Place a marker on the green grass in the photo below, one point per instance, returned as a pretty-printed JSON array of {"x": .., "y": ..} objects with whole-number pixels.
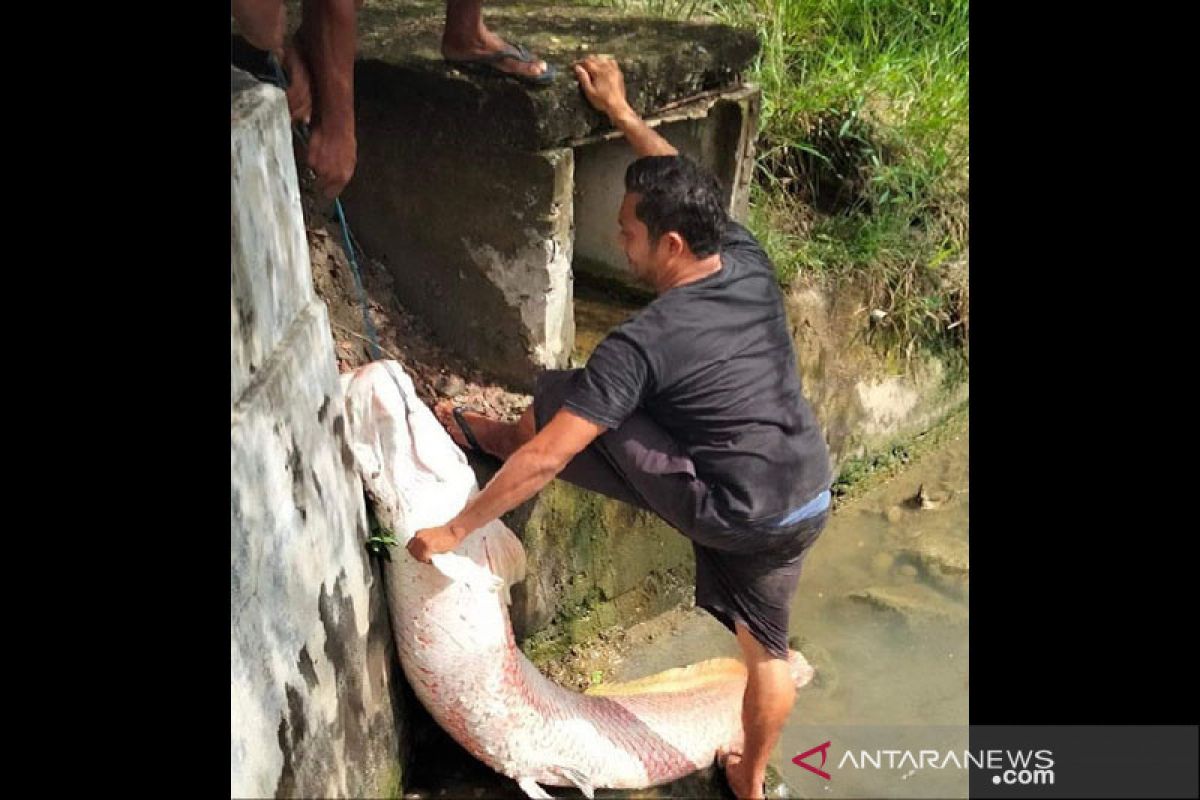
[{"x": 863, "y": 161}]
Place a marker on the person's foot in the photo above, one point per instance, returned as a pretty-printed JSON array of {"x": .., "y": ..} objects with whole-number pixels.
[
  {"x": 745, "y": 786},
  {"x": 491, "y": 434},
  {"x": 484, "y": 43}
]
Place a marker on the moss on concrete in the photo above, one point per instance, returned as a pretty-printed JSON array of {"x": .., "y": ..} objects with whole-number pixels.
[
  {"x": 593, "y": 563},
  {"x": 392, "y": 783}
]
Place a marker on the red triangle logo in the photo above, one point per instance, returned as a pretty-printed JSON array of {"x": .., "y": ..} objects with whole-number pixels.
[{"x": 824, "y": 750}]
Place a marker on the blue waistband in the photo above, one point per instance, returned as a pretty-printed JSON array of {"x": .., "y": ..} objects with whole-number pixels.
[{"x": 809, "y": 509}]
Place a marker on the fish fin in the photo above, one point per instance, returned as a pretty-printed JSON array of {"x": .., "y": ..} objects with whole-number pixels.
[
  {"x": 530, "y": 787},
  {"x": 578, "y": 778},
  {"x": 464, "y": 570},
  {"x": 681, "y": 679},
  {"x": 506, "y": 556}
]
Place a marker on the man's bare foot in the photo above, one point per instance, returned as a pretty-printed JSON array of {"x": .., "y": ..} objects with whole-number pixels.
[
  {"x": 744, "y": 785},
  {"x": 483, "y": 43},
  {"x": 494, "y": 436}
]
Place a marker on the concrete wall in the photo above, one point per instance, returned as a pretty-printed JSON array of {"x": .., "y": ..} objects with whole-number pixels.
[
  {"x": 482, "y": 241},
  {"x": 313, "y": 685},
  {"x": 468, "y": 186},
  {"x": 478, "y": 241}
]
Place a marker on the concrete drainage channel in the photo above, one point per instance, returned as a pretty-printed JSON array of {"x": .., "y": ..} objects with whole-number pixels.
[
  {"x": 483, "y": 197},
  {"x": 485, "y": 201}
]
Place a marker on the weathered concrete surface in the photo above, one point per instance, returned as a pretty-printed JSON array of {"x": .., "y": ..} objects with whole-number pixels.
[
  {"x": 663, "y": 61},
  {"x": 313, "y": 700},
  {"x": 593, "y": 563},
  {"x": 467, "y": 186},
  {"x": 863, "y": 399},
  {"x": 265, "y": 246},
  {"x": 481, "y": 251}
]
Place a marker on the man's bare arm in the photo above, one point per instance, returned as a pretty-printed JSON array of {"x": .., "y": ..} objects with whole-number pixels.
[
  {"x": 525, "y": 472},
  {"x": 327, "y": 34},
  {"x": 604, "y": 87}
]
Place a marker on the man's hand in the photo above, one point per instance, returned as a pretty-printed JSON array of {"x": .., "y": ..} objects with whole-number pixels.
[
  {"x": 527, "y": 470},
  {"x": 332, "y": 155},
  {"x": 603, "y": 85},
  {"x": 299, "y": 91},
  {"x": 428, "y": 542},
  {"x": 327, "y": 38}
]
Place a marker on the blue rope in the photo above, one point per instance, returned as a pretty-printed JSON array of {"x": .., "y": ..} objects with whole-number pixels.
[
  {"x": 376, "y": 353},
  {"x": 281, "y": 80}
]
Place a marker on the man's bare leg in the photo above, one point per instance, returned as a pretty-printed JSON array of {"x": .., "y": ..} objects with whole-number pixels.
[
  {"x": 262, "y": 23},
  {"x": 766, "y": 704},
  {"x": 500, "y": 439}
]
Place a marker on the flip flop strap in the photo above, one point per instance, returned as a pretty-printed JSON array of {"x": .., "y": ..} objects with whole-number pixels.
[
  {"x": 516, "y": 53},
  {"x": 462, "y": 426}
]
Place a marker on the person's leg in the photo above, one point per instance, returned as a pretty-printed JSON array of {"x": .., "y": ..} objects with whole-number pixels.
[
  {"x": 466, "y": 37},
  {"x": 496, "y": 437},
  {"x": 770, "y": 694},
  {"x": 262, "y": 23},
  {"x": 590, "y": 469},
  {"x": 751, "y": 594},
  {"x": 499, "y": 438},
  {"x": 637, "y": 463}
]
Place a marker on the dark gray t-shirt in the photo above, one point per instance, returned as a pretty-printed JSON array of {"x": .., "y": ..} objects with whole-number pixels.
[{"x": 712, "y": 363}]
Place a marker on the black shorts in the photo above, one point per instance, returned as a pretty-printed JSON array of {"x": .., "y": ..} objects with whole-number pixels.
[{"x": 743, "y": 574}]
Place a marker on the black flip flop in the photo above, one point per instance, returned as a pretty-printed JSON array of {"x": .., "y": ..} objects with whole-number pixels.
[
  {"x": 466, "y": 429},
  {"x": 519, "y": 53}
]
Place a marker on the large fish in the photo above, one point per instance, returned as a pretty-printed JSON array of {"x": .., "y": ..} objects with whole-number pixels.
[{"x": 456, "y": 642}]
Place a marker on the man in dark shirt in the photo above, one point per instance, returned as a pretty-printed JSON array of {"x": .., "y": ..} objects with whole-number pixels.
[{"x": 692, "y": 409}]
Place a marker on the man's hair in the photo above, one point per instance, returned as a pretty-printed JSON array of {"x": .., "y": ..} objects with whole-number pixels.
[{"x": 677, "y": 195}]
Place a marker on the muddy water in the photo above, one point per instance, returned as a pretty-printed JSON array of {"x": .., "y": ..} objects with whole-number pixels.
[
  {"x": 598, "y": 309},
  {"x": 881, "y": 612}
]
